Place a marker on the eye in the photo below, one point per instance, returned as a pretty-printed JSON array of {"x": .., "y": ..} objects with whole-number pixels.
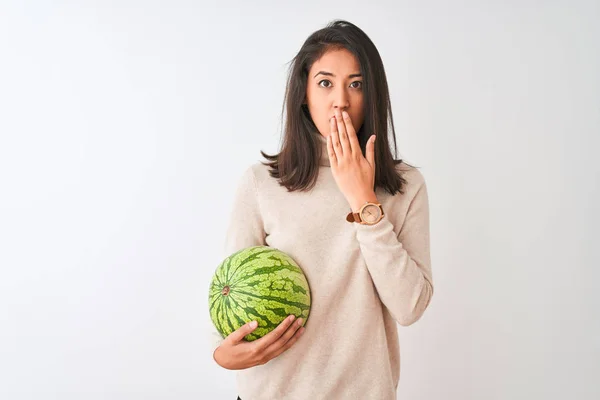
[
  {"x": 359, "y": 86},
  {"x": 324, "y": 80}
]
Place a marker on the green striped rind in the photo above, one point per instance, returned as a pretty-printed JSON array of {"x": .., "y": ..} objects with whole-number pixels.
[{"x": 265, "y": 284}]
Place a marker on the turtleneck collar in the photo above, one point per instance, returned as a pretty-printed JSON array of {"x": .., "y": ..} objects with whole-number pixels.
[{"x": 324, "y": 159}]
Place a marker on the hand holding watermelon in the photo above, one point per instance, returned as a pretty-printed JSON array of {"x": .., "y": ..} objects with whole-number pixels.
[
  {"x": 262, "y": 286},
  {"x": 237, "y": 353}
]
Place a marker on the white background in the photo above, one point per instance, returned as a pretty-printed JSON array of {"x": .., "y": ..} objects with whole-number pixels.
[{"x": 125, "y": 126}]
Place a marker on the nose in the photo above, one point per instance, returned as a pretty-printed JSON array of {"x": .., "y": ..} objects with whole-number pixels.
[{"x": 341, "y": 99}]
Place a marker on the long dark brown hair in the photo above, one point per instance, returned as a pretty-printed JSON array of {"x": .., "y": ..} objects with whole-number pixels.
[{"x": 297, "y": 165}]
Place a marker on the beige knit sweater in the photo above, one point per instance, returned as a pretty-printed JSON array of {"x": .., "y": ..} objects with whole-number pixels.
[{"x": 363, "y": 280}]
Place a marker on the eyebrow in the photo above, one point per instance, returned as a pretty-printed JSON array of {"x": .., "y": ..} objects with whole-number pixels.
[{"x": 330, "y": 74}]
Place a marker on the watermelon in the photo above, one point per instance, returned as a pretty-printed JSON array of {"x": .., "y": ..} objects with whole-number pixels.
[{"x": 257, "y": 283}]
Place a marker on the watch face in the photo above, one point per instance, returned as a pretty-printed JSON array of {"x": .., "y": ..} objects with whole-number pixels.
[{"x": 371, "y": 213}]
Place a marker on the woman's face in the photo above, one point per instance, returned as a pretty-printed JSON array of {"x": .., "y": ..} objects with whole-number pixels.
[{"x": 334, "y": 82}]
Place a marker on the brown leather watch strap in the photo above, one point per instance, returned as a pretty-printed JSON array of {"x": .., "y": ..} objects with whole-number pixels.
[{"x": 353, "y": 217}]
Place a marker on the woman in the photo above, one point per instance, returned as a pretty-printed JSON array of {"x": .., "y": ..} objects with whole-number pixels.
[{"x": 356, "y": 221}]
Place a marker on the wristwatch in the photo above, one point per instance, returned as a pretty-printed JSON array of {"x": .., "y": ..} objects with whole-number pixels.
[{"x": 369, "y": 214}]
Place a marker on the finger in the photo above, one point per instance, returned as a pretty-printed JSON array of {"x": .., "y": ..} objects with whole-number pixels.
[
  {"x": 331, "y": 151},
  {"x": 341, "y": 127},
  {"x": 370, "y": 150},
  {"x": 275, "y": 334},
  {"x": 239, "y": 334},
  {"x": 335, "y": 138},
  {"x": 273, "y": 348},
  {"x": 352, "y": 138},
  {"x": 289, "y": 343}
]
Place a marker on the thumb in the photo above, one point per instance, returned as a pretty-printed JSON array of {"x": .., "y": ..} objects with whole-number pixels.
[
  {"x": 239, "y": 334},
  {"x": 370, "y": 150}
]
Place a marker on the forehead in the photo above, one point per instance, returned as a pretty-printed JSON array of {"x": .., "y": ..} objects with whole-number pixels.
[{"x": 339, "y": 62}]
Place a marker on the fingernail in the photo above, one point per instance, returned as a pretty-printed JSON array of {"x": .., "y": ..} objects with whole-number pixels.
[
  {"x": 292, "y": 317},
  {"x": 300, "y": 321},
  {"x": 253, "y": 324},
  {"x": 345, "y": 114}
]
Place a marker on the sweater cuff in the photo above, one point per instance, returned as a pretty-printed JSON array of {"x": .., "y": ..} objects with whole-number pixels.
[{"x": 374, "y": 232}]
